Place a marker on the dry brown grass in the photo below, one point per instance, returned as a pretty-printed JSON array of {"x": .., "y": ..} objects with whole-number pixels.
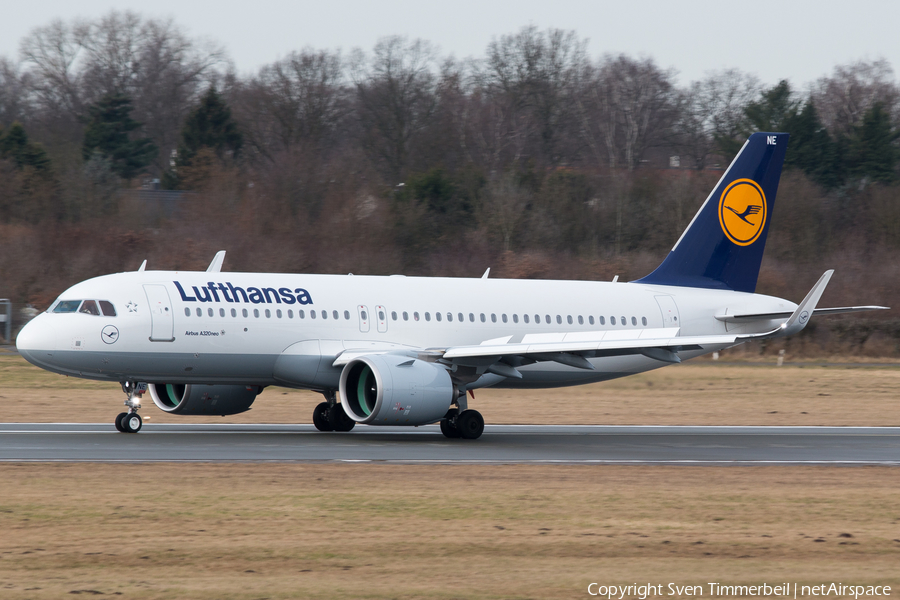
[
  {"x": 699, "y": 393},
  {"x": 382, "y": 531}
]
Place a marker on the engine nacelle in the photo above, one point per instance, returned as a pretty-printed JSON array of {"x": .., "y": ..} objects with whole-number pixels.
[
  {"x": 385, "y": 389},
  {"x": 198, "y": 399}
]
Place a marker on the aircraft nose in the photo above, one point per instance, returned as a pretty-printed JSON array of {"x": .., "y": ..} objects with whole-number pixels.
[{"x": 36, "y": 337}]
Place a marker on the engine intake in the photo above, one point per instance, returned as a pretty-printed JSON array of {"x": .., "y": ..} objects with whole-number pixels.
[
  {"x": 198, "y": 399},
  {"x": 386, "y": 389}
]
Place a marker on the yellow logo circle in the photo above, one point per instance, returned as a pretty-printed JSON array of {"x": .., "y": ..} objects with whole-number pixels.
[{"x": 743, "y": 211}]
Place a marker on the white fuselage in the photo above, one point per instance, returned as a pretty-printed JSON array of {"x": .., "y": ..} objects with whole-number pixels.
[{"x": 236, "y": 330}]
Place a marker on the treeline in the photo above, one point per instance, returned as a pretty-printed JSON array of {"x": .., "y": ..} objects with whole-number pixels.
[{"x": 536, "y": 158}]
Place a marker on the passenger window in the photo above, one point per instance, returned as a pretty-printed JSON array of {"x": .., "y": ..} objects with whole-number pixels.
[
  {"x": 256, "y": 312},
  {"x": 244, "y": 312},
  {"x": 515, "y": 318},
  {"x": 591, "y": 319},
  {"x": 199, "y": 312},
  {"x": 290, "y": 314},
  {"x": 324, "y": 314},
  {"x": 300, "y": 313},
  {"x": 525, "y": 317},
  {"x": 537, "y": 319},
  {"x": 483, "y": 318},
  {"x": 449, "y": 317},
  {"x": 67, "y": 306},
  {"x": 471, "y": 317},
  {"x": 393, "y": 315},
  {"x": 268, "y": 314},
  {"x": 405, "y": 316},
  {"x": 624, "y": 322},
  {"x": 461, "y": 318},
  {"x": 234, "y": 312},
  {"x": 569, "y": 319},
  {"x": 503, "y": 316},
  {"x": 107, "y": 308},
  {"x": 580, "y": 320},
  {"x": 493, "y": 318},
  {"x": 644, "y": 321},
  {"x": 612, "y": 320},
  {"x": 416, "y": 316},
  {"x": 428, "y": 316},
  {"x": 221, "y": 312},
  {"x": 187, "y": 312},
  {"x": 278, "y": 313},
  {"x": 362, "y": 314},
  {"x": 209, "y": 311},
  {"x": 346, "y": 315},
  {"x": 436, "y": 316},
  {"x": 558, "y": 320},
  {"x": 633, "y": 320},
  {"x": 89, "y": 307},
  {"x": 603, "y": 321},
  {"x": 335, "y": 315}
]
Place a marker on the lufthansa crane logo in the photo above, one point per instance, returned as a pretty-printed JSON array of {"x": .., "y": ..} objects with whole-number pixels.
[{"x": 743, "y": 211}]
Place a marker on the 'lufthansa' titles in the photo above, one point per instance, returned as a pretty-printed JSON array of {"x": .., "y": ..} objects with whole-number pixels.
[{"x": 219, "y": 292}]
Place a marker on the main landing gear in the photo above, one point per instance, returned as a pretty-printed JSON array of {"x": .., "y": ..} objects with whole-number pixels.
[
  {"x": 130, "y": 422},
  {"x": 330, "y": 416},
  {"x": 468, "y": 424}
]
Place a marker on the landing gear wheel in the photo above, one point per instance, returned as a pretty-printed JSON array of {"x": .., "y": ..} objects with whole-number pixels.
[
  {"x": 132, "y": 423},
  {"x": 320, "y": 417},
  {"x": 339, "y": 419},
  {"x": 448, "y": 424},
  {"x": 119, "y": 418},
  {"x": 470, "y": 424}
]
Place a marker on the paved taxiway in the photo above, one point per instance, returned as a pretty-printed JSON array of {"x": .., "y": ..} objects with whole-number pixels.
[{"x": 499, "y": 444}]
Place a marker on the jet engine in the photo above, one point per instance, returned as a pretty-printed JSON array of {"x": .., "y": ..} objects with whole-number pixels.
[
  {"x": 388, "y": 389},
  {"x": 198, "y": 399}
]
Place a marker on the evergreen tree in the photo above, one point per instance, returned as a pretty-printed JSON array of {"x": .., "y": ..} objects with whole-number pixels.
[
  {"x": 209, "y": 126},
  {"x": 772, "y": 112},
  {"x": 14, "y": 145},
  {"x": 873, "y": 152},
  {"x": 108, "y": 135},
  {"x": 811, "y": 148}
]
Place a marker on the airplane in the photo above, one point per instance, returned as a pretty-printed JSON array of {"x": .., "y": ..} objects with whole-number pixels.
[{"x": 396, "y": 350}]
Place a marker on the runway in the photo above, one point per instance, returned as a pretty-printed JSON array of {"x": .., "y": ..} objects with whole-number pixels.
[{"x": 589, "y": 444}]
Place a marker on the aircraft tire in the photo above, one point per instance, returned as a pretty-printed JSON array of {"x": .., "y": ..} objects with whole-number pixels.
[
  {"x": 132, "y": 423},
  {"x": 470, "y": 424},
  {"x": 320, "y": 417},
  {"x": 338, "y": 418},
  {"x": 448, "y": 425},
  {"x": 119, "y": 418}
]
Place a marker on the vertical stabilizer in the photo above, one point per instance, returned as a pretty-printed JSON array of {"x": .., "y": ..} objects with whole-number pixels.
[{"x": 722, "y": 248}]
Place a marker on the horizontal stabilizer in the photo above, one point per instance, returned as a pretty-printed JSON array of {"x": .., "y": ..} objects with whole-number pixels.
[{"x": 819, "y": 312}]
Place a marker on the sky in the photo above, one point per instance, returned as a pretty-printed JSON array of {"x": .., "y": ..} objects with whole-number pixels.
[{"x": 784, "y": 39}]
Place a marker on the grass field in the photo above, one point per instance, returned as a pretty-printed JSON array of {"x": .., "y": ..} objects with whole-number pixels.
[
  {"x": 379, "y": 531},
  {"x": 249, "y": 531},
  {"x": 698, "y": 393}
]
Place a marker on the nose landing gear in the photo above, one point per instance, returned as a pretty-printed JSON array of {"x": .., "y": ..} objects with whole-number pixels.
[{"x": 131, "y": 422}]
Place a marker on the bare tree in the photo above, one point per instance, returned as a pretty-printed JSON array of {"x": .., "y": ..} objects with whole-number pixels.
[
  {"x": 297, "y": 100},
  {"x": 13, "y": 92},
  {"x": 396, "y": 99},
  {"x": 51, "y": 53},
  {"x": 842, "y": 99},
  {"x": 712, "y": 110},
  {"x": 533, "y": 79}
]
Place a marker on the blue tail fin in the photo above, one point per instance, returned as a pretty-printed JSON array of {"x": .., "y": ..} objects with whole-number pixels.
[{"x": 722, "y": 247}]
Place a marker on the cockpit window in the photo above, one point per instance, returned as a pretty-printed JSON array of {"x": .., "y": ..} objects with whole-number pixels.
[
  {"x": 67, "y": 306},
  {"x": 108, "y": 309},
  {"x": 89, "y": 307}
]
